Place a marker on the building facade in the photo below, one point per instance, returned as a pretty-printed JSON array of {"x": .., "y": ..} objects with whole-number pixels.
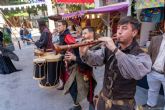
[{"x": 15, "y": 2}]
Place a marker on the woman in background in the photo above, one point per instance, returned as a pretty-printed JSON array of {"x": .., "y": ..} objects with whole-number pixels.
[{"x": 6, "y": 65}]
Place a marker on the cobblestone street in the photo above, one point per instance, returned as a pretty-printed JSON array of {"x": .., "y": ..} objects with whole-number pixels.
[{"x": 19, "y": 91}]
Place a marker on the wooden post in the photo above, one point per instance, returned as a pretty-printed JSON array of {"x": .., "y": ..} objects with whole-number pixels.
[
  {"x": 50, "y": 12},
  {"x": 109, "y": 27}
]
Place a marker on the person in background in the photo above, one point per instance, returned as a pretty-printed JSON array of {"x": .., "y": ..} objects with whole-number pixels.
[
  {"x": 72, "y": 29},
  {"x": 156, "y": 50},
  {"x": 64, "y": 38},
  {"x": 45, "y": 40},
  {"x": 1, "y": 38},
  {"x": 7, "y": 30},
  {"x": 6, "y": 65},
  {"x": 27, "y": 35},
  {"x": 21, "y": 33},
  {"x": 55, "y": 36}
]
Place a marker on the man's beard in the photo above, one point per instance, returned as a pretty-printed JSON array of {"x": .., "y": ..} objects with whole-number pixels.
[{"x": 119, "y": 41}]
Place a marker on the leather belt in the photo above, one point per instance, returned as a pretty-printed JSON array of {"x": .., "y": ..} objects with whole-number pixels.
[{"x": 109, "y": 102}]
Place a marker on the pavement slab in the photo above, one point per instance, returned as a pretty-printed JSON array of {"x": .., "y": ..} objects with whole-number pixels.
[{"x": 19, "y": 91}]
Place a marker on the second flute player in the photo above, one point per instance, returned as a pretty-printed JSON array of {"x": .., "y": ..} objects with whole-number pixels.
[{"x": 124, "y": 65}]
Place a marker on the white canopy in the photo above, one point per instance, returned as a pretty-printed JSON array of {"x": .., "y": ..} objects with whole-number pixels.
[
  {"x": 2, "y": 21},
  {"x": 24, "y": 6}
]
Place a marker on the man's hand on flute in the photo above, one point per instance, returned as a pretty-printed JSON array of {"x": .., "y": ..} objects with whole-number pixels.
[
  {"x": 84, "y": 49},
  {"x": 69, "y": 56},
  {"x": 108, "y": 42}
]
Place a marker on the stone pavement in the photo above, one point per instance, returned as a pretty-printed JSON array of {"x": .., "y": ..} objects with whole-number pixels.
[{"x": 19, "y": 91}]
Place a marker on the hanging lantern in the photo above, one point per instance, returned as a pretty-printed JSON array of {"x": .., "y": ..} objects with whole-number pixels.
[
  {"x": 93, "y": 16},
  {"x": 87, "y": 16},
  {"x": 99, "y": 16}
]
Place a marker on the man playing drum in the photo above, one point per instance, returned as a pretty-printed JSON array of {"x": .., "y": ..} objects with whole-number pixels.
[{"x": 45, "y": 41}]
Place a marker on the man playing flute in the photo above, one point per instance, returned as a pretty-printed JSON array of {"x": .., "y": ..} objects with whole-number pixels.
[{"x": 124, "y": 65}]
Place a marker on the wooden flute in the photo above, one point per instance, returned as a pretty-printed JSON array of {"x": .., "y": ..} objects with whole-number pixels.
[{"x": 59, "y": 48}]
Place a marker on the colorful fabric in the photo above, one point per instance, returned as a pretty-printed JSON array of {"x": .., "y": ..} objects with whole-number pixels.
[
  {"x": 82, "y": 87},
  {"x": 69, "y": 39},
  {"x": 149, "y": 3},
  {"x": 152, "y": 15}
]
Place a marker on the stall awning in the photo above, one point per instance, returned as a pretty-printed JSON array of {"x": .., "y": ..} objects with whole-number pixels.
[
  {"x": 55, "y": 17},
  {"x": 74, "y": 14},
  {"x": 109, "y": 8},
  {"x": 104, "y": 9},
  {"x": 75, "y": 1},
  {"x": 141, "y": 4}
]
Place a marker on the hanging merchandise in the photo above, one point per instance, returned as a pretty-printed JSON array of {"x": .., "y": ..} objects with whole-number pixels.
[
  {"x": 76, "y": 20},
  {"x": 152, "y": 15},
  {"x": 141, "y": 4}
]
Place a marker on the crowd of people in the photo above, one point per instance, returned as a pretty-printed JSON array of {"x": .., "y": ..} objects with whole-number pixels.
[{"x": 125, "y": 63}]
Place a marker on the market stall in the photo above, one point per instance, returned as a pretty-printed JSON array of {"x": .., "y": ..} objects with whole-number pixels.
[
  {"x": 100, "y": 18},
  {"x": 151, "y": 15}
]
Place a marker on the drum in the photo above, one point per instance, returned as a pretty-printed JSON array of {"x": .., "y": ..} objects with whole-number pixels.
[
  {"x": 53, "y": 71},
  {"x": 39, "y": 69},
  {"x": 38, "y": 52}
]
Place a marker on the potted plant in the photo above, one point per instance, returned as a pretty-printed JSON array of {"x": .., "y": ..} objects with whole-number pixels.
[{"x": 7, "y": 42}]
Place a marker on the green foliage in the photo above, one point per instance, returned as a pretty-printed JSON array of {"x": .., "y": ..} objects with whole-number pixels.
[
  {"x": 17, "y": 2},
  {"x": 24, "y": 12},
  {"x": 73, "y": 8},
  {"x": 32, "y": 10},
  {"x": 6, "y": 38},
  {"x": 43, "y": 7}
]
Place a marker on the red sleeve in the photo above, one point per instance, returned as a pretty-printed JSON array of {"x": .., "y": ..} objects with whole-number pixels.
[{"x": 69, "y": 39}]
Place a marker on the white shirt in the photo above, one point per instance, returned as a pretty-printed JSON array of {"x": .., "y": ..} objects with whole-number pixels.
[
  {"x": 55, "y": 39},
  {"x": 160, "y": 60}
]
